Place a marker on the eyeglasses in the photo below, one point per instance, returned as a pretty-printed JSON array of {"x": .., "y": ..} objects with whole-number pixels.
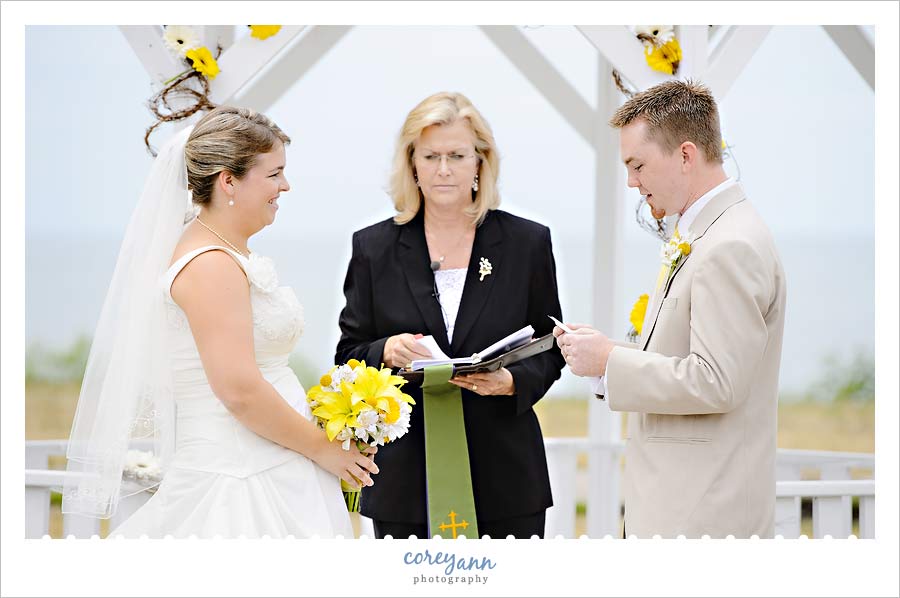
[{"x": 432, "y": 161}]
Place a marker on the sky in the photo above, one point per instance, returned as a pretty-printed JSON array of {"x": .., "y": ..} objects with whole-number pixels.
[{"x": 800, "y": 118}]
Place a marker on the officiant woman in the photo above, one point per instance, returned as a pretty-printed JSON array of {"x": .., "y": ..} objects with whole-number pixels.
[{"x": 451, "y": 265}]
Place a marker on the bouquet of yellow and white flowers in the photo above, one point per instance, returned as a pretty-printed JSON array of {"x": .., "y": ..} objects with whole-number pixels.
[{"x": 356, "y": 402}]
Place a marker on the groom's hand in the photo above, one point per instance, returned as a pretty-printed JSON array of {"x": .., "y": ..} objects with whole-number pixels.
[
  {"x": 585, "y": 350},
  {"x": 557, "y": 331},
  {"x": 403, "y": 349}
]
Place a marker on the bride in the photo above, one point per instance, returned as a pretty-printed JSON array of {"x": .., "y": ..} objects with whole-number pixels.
[{"x": 192, "y": 351}]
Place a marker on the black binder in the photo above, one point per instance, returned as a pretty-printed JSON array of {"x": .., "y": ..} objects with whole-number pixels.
[{"x": 539, "y": 345}]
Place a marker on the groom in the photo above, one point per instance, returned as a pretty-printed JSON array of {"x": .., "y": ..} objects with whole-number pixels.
[{"x": 702, "y": 382}]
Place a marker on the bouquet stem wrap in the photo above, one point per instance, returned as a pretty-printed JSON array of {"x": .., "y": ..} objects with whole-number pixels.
[
  {"x": 351, "y": 497},
  {"x": 451, "y": 505},
  {"x": 351, "y": 493}
]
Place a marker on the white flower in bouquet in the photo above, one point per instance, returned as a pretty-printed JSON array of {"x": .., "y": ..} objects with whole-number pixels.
[
  {"x": 345, "y": 436},
  {"x": 342, "y": 373},
  {"x": 401, "y": 426},
  {"x": 368, "y": 419},
  {"x": 378, "y": 436}
]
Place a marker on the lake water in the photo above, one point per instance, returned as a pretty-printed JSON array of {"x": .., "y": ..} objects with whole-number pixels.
[{"x": 830, "y": 311}]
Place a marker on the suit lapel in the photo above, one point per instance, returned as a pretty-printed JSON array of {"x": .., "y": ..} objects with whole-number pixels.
[
  {"x": 488, "y": 238},
  {"x": 705, "y": 219},
  {"x": 413, "y": 254},
  {"x": 650, "y": 323}
]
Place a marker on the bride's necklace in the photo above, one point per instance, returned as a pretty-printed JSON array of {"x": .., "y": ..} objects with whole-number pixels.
[{"x": 227, "y": 242}]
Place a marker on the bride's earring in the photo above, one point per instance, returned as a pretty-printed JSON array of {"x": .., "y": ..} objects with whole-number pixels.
[
  {"x": 475, "y": 183},
  {"x": 416, "y": 179},
  {"x": 231, "y": 201}
]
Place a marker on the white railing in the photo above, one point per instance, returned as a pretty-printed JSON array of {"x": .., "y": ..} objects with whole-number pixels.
[
  {"x": 41, "y": 481},
  {"x": 832, "y": 495},
  {"x": 832, "y": 513}
]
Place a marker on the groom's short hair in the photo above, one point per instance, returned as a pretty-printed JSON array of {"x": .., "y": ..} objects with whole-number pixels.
[{"x": 676, "y": 111}]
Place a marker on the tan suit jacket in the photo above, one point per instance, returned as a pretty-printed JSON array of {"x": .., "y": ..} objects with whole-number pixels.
[{"x": 703, "y": 384}]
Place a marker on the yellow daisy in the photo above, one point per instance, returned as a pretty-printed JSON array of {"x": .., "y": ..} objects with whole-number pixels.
[
  {"x": 203, "y": 62},
  {"x": 664, "y": 58}
]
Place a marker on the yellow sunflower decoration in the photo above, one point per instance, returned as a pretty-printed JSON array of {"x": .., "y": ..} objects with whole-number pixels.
[
  {"x": 263, "y": 31},
  {"x": 661, "y": 48},
  {"x": 203, "y": 62}
]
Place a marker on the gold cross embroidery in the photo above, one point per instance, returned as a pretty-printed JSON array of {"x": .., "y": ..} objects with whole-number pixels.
[{"x": 453, "y": 524}]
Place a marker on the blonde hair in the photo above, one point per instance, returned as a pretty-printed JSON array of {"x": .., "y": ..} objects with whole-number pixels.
[
  {"x": 676, "y": 111},
  {"x": 444, "y": 108},
  {"x": 227, "y": 139}
]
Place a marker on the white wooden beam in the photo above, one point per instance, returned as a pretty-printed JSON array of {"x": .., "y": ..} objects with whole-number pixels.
[
  {"x": 148, "y": 45},
  {"x": 857, "y": 46},
  {"x": 290, "y": 66},
  {"x": 731, "y": 53},
  {"x": 215, "y": 36},
  {"x": 625, "y": 52},
  {"x": 694, "y": 42},
  {"x": 604, "y": 425},
  {"x": 545, "y": 77},
  {"x": 243, "y": 60}
]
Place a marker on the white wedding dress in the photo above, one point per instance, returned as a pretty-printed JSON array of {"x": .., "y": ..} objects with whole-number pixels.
[{"x": 225, "y": 480}]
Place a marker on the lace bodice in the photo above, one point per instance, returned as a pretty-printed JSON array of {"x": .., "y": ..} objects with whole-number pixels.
[{"x": 277, "y": 314}]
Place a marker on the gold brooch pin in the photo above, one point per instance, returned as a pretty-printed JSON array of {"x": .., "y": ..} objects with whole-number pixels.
[{"x": 484, "y": 268}]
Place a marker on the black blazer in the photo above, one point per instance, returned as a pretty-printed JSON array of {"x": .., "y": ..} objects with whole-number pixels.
[{"x": 389, "y": 290}]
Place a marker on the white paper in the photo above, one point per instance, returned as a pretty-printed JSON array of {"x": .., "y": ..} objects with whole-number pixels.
[
  {"x": 514, "y": 340},
  {"x": 562, "y": 326},
  {"x": 429, "y": 343}
]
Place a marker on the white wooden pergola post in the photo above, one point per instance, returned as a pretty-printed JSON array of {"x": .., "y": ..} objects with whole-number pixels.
[{"x": 605, "y": 425}]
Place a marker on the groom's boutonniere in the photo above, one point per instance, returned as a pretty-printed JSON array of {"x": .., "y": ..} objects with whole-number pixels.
[
  {"x": 484, "y": 268},
  {"x": 676, "y": 249}
]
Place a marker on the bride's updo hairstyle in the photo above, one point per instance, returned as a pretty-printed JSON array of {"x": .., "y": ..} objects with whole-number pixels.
[{"x": 227, "y": 139}]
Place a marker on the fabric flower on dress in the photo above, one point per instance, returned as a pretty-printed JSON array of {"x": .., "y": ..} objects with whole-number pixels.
[
  {"x": 179, "y": 39},
  {"x": 261, "y": 273}
]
